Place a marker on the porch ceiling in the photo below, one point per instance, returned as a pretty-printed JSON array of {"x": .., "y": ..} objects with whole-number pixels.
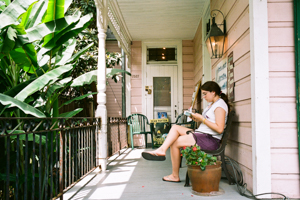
[{"x": 157, "y": 19}]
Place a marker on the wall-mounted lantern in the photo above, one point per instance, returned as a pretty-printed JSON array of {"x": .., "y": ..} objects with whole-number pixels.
[{"x": 215, "y": 39}]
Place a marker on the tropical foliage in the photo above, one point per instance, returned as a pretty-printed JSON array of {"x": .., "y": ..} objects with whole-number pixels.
[
  {"x": 87, "y": 62},
  {"x": 37, "y": 57},
  {"x": 36, "y": 52},
  {"x": 41, "y": 47}
]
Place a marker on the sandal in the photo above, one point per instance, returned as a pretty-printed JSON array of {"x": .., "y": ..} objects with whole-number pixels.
[{"x": 153, "y": 156}]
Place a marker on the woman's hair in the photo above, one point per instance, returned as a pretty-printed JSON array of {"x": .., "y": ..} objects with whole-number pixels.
[{"x": 212, "y": 86}]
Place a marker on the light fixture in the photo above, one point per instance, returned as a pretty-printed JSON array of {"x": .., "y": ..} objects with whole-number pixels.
[{"x": 215, "y": 38}]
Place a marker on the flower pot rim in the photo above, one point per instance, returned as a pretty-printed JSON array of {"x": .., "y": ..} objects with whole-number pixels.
[{"x": 218, "y": 163}]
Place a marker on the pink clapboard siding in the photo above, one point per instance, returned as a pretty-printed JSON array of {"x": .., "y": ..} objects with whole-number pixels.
[
  {"x": 113, "y": 90},
  {"x": 237, "y": 41},
  {"x": 187, "y": 72},
  {"x": 282, "y": 91},
  {"x": 136, "y": 77},
  {"x": 136, "y": 85},
  {"x": 198, "y": 58},
  {"x": 283, "y": 116}
]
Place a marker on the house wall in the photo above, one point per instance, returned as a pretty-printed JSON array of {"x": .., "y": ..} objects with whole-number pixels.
[
  {"x": 284, "y": 153},
  {"x": 283, "y": 116},
  {"x": 187, "y": 72},
  {"x": 136, "y": 86},
  {"x": 114, "y": 90},
  {"x": 236, "y": 13},
  {"x": 237, "y": 41},
  {"x": 198, "y": 60},
  {"x": 136, "y": 77}
]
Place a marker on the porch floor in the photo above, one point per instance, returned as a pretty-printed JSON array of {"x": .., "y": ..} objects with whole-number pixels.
[{"x": 129, "y": 176}]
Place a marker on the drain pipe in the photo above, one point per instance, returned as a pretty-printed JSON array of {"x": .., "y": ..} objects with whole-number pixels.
[{"x": 297, "y": 65}]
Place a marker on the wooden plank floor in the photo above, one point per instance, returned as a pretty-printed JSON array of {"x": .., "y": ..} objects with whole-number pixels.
[{"x": 130, "y": 177}]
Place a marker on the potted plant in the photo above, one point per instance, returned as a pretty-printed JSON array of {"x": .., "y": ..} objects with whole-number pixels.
[{"x": 204, "y": 170}]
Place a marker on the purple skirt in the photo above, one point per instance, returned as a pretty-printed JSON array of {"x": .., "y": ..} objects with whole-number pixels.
[{"x": 206, "y": 141}]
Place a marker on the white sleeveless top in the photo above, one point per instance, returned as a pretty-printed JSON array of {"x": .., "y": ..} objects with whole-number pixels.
[{"x": 209, "y": 114}]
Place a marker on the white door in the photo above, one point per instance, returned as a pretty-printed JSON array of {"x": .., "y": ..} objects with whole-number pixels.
[{"x": 161, "y": 83}]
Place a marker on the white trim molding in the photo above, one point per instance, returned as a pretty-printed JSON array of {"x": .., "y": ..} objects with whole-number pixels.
[
  {"x": 118, "y": 27},
  {"x": 101, "y": 111},
  {"x": 163, "y": 43},
  {"x": 101, "y": 6},
  {"x": 260, "y": 104}
]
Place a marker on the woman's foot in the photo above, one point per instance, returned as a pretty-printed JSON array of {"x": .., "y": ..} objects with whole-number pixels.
[
  {"x": 171, "y": 178},
  {"x": 153, "y": 155},
  {"x": 159, "y": 152}
]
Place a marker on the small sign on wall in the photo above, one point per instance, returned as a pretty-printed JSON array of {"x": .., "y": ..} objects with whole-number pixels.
[
  {"x": 230, "y": 78},
  {"x": 221, "y": 75}
]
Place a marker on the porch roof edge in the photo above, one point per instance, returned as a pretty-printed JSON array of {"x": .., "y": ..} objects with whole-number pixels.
[{"x": 118, "y": 26}]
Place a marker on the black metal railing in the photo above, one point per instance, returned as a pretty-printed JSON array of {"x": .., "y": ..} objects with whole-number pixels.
[
  {"x": 116, "y": 135},
  {"x": 41, "y": 158}
]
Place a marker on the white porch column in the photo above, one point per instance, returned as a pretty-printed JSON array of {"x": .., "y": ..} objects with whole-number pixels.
[
  {"x": 101, "y": 111},
  {"x": 260, "y": 104}
]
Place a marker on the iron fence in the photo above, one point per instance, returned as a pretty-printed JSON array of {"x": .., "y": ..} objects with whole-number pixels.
[
  {"x": 116, "y": 135},
  {"x": 41, "y": 158}
]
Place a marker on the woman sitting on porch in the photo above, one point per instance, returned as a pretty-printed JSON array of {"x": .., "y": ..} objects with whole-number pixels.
[{"x": 207, "y": 136}]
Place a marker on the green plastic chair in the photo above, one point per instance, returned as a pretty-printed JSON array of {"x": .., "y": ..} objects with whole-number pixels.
[{"x": 138, "y": 124}]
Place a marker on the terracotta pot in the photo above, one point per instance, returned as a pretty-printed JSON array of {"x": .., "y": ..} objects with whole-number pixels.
[{"x": 206, "y": 181}]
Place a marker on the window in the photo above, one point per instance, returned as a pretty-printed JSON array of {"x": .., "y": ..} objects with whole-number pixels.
[{"x": 161, "y": 54}]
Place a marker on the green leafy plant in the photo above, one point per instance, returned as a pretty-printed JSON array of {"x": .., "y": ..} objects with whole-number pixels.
[
  {"x": 194, "y": 156},
  {"x": 37, "y": 56},
  {"x": 86, "y": 64}
]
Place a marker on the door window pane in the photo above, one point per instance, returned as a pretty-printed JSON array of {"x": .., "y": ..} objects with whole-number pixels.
[{"x": 162, "y": 91}]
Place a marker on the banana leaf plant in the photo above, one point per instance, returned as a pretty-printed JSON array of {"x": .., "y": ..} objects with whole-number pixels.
[
  {"x": 36, "y": 59},
  {"x": 37, "y": 55}
]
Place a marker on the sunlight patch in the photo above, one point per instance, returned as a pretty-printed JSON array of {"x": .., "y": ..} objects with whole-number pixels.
[
  {"x": 108, "y": 192},
  {"x": 120, "y": 175},
  {"x": 135, "y": 154}
]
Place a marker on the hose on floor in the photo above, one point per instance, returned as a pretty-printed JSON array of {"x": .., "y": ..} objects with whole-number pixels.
[{"x": 241, "y": 186}]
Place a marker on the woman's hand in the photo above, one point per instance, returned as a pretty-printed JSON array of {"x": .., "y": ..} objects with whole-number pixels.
[
  {"x": 197, "y": 117},
  {"x": 220, "y": 120}
]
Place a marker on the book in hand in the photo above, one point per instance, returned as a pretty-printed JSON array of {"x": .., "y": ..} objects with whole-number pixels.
[{"x": 188, "y": 113}]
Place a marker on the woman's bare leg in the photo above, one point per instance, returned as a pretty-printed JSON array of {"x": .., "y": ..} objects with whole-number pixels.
[
  {"x": 176, "y": 139},
  {"x": 173, "y": 135},
  {"x": 186, "y": 140}
]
